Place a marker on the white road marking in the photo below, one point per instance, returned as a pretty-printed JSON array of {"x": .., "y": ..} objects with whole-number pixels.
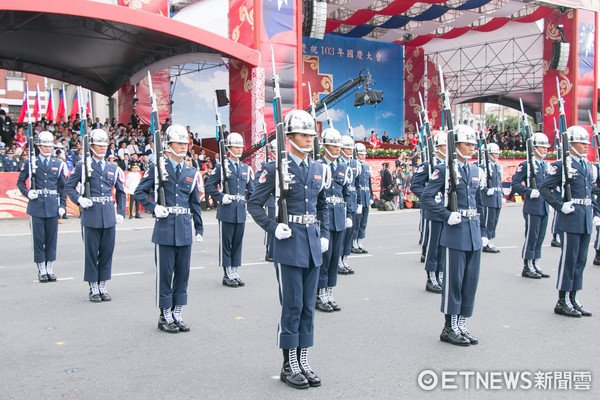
[{"x": 128, "y": 273}]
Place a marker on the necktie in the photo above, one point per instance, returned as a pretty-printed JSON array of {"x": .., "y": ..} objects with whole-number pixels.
[
  {"x": 466, "y": 171},
  {"x": 304, "y": 168},
  {"x": 237, "y": 168},
  {"x": 101, "y": 163},
  {"x": 45, "y": 162},
  {"x": 178, "y": 170}
]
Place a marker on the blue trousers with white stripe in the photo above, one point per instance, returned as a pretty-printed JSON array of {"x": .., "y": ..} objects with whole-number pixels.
[
  {"x": 489, "y": 221},
  {"x": 231, "y": 238},
  {"x": 535, "y": 231},
  {"x": 173, "y": 274},
  {"x": 45, "y": 236},
  {"x": 436, "y": 254},
  {"x": 99, "y": 245},
  {"x": 573, "y": 256},
  {"x": 331, "y": 258},
  {"x": 361, "y": 225},
  {"x": 347, "y": 246},
  {"x": 297, "y": 292},
  {"x": 460, "y": 282}
]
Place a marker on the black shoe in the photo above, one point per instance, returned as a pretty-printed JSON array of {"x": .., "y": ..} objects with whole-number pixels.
[
  {"x": 597, "y": 258},
  {"x": 131, "y": 217},
  {"x": 311, "y": 377},
  {"x": 138, "y": 216},
  {"x": 295, "y": 380},
  {"x": 105, "y": 297},
  {"x": 350, "y": 270},
  {"x": 43, "y": 278},
  {"x": 554, "y": 243},
  {"x": 449, "y": 336},
  {"x": 230, "y": 282},
  {"x": 488, "y": 249},
  {"x": 540, "y": 272},
  {"x": 95, "y": 298},
  {"x": 355, "y": 250},
  {"x": 322, "y": 306},
  {"x": 343, "y": 271},
  {"x": 363, "y": 250},
  {"x": 183, "y": 327},
  {"x": 51, "y": 278},
  {"x": 334, "y": 306},
  {"x": 433, "y": 287},
  {"x": 529, "y": 274},
  {"x": 163, "y": 325},
  {"x": 562, "y": 308},
  {"x": 578, "y": 307},
  {"x": 423, "y": 254},
  {"x": 422, "y": 258},
  {"x": 240, "y": 282},
  {"x": 473, "y": 340}
]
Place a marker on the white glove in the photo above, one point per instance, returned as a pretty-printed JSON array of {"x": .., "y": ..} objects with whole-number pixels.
[
  {"x": 198, "y": 238},
  {"x": 282, "y": 232},
  {"x": 490, "y": 192},
  {"x": 324, "y": 244},
  {"x": 454, "y": 218},
  {"x": 484, "y": 241},
  {"x": 359, "y": 209},
  {"x": 119, "y": 218},
  {"x": 534, "y": 194},
  {"x": 32, "y": 195},
  {"x": 61, "y": 211},
  {"x": 227, "y": 199},
  {"x": 371, "y": 202},
  {"x": 596, "y": 221},
  {"x": 84, "y": 202},
  {"x": 160, "y": 211},
  {"x": 503, "y": 200},
  {"x": 348, "y": 223},
  {"x": 567, "y": 207}
]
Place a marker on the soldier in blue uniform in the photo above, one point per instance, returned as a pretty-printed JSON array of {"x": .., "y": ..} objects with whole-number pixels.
[
  {"x": 435, "y": 257},
  {"x": 2, "y": 157},
  {"x": 365, "y": 199},
  {"x": 575, "y": 219},
  {"x": 535, "y": 209},
  {"x": 231, "y": 212},
  {"x": 297, "y": 246},
  {"x": 337, "y": 196},
  {"x": 172, "y": 234},
  {"x": 269, "y": 205},
  {"x": 492, "y": 198},
  {"x": 98, "y": 218},
  {"x": 346, "y": 157},
  {"x": 461, "y": 236},
  {"x": 10, "y": 164},
  {"x": 47, "y": 203}
]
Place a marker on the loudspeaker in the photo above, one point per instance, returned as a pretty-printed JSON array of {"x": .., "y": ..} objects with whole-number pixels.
[
  {"x": 560, "y": 55},
  {"x": 314, "y": 18},
  {"x": 222, "y": 99}
]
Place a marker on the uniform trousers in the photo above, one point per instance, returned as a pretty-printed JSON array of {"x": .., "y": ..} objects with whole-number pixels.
[
  {"x": 231, "y": 237},
  {"x": 573, "y": 256},
  {"x": 553, "y": 226},
  {"x": 435, "y": 259},
  {"x": 44, "y": 232},
  {"x": 362, "y": 223},
  {"x": 348, "y": 234},
  {"x": 535, "y": 231},
  {"x": 99, "y": 244},
  {"x": 460, "y": 282},
  {"x": 172, "y": 275},
  {"x": 297, "y": 292},
  {"x": 489, "y": 221},
  {"x": 269, "y": 237},
  {"x": 425, "y": 233},
  {"x": 328, "y": 271}
]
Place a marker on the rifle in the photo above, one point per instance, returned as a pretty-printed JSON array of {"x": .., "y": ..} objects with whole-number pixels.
[
  {"x": 351, "y": 133},
  {"x": 283, "y": 178},
  {"x": 329, "y": 120},
  {"x": 452, "y": 178},
  {"x": 160, "y": 170},
  {"x": 428, "y": 136},
  {"x": 316, "y": 145},
  {"x": 86, "y": 162},
  {"x": 486, "y": 160},
  {"x": 31, "y": 151},
  {"x": 528, "y": 136},
  {"x": 557, "y": 142},
  {"x": 422, "y": 152},
  {"x": 266, "y": 139},
  {"x": 567, "y": 170},
  {"x": 225, "y": 172},
  {"x": 596, "y": 137}
]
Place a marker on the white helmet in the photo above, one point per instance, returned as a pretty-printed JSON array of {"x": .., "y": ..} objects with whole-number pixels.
[
  {"x": 465, "y": 134},
  {"x": 347, "y": 142},
  {"x": 540, "y": 140},
  {"x": 99, "y": 137},
  {"x": 331, "y": 137},
  {"x": 45, "y": 138},
  {"x": 361, "y": 149},
  {"x": 299, "y": 121},
  {"x": 273, "y": 146},
  {"x": 578, "y": 134},
  {"x": 493, "y": 148},
  {"x": 177, "y": 134},
  {"x": 234, "y": 139},
  {"x": 440, "y": 139}
]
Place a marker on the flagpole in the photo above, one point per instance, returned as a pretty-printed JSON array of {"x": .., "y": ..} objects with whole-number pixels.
[
  {"x": 64, "y": 100},
  {"x": 49, "y": 101}
]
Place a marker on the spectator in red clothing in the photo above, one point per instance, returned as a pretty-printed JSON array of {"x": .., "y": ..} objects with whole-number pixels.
[{"x": 414, "y": 141}]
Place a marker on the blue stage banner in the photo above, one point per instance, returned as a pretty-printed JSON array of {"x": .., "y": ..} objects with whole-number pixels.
[{"x": 329, "y": 62}]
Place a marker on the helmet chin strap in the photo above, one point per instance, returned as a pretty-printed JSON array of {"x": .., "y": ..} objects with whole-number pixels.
[
  {"x": 331, "y": 155},
  {"x": 437, "y": 150},
  {"x": 462, "y": 155},
  {"x": 538, "y": 153},
  {"x": 45, "y": 154},
  {"x": 94, "y": 151},
  {"x": 300, "y": 149},
  {"x": 576, "y": 152},
  {"x": 170, "y": 149},
  {"x": 232, "y": 153},
  {"x": 344, "y": 156}
]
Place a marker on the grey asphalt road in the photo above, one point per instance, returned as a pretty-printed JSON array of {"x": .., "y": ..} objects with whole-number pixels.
[{"x": 58, "y": 345}]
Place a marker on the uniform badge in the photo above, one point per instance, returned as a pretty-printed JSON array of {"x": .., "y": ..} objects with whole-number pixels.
[
  {"x": 110, "y": 173},
  {"x": 520, "y": 168},
  {"x": 146, "y": 172},
  {"x": 317, "y": 177},
  {"x": 438, "y": 197},
  {"x": 187, "y": 178},
  {"x": 340, "y": 173},
  {"x": 552, "y": 170},
  {"x": 54, "y": 168},
  {"x": 419, "y": 169},
  {"x": 263, "y": 177},
  {"x": 436, "y": 174}
]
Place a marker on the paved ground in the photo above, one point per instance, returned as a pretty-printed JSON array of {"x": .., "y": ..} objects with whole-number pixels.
[{"x": 56, "y": 344}]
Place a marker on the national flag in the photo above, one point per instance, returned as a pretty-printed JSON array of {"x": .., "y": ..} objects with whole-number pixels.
[
  {"x": 62, "y": 106},
  {"x": 49, "y": 107},
  {"x": 24, "y": 107},
  {"x": 36, "y": 104},
  {"x": 88, "y": 109},
  {"x": 75, "y": 107}
]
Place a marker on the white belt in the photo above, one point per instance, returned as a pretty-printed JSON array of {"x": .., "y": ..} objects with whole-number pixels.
[
  {"x": 178, "y": 210},
  {"x": 334, "y": 200},
  {"x": 237, "y": 197},
  {"x": 303, "y": 219},
  {"x": 44, "y": 192},
  {"x": 104, "y": 199},
  {"x": 469, "y": 213},
  {"x": 583, "y": 202},
  {"x": 365, "y": 188},
  {"x": 495, "y": 189},
  {"x": 352, "y": 188}
]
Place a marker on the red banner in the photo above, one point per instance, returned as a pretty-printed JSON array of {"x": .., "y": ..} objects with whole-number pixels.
[
  {"x": 160, "y": 7},
  {"x": 160, "y": 85},
  {"x": 414, "y": 74}
]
